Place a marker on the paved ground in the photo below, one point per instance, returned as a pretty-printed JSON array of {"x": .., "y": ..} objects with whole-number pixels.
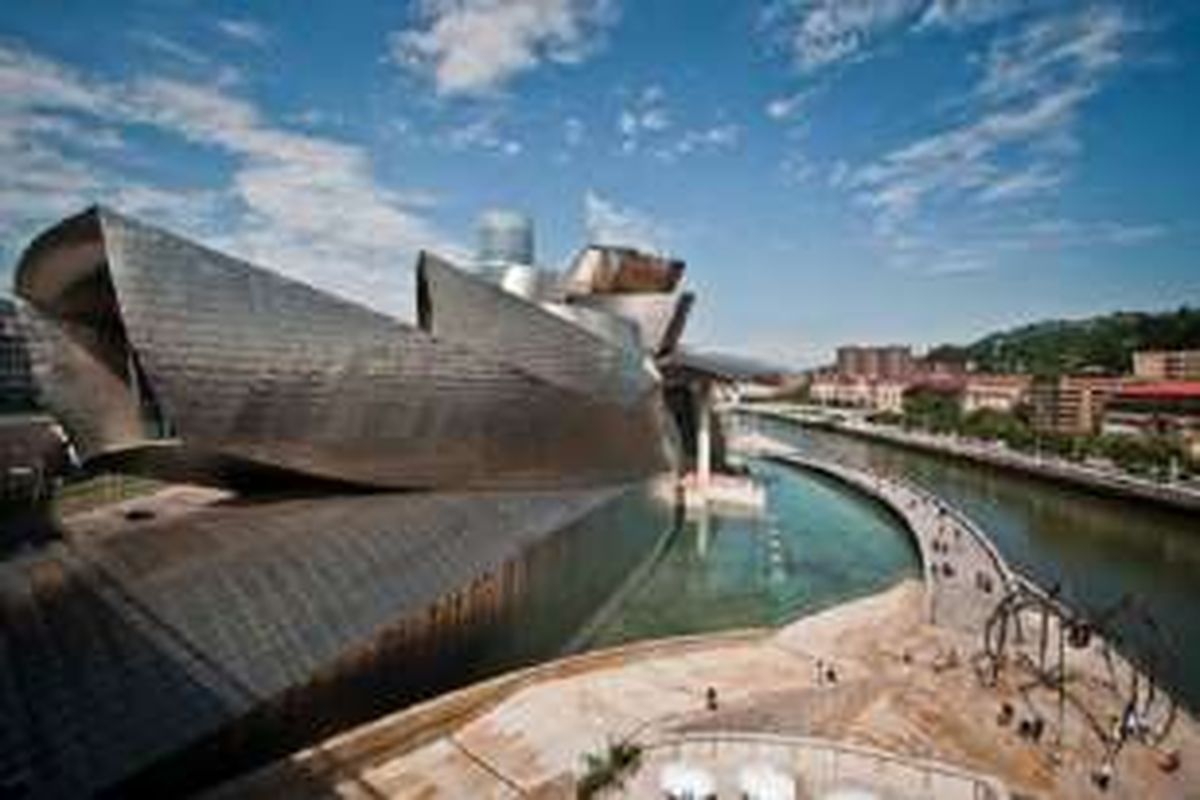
[{"x": 895, "y": 689}]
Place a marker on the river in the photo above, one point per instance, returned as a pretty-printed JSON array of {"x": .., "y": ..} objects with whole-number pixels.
[{"x": 1097, "y": 549}]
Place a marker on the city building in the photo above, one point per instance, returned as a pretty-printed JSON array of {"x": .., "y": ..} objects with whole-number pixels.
[
  {"x": 832, "y": 389},
  {"x": 17, "y": 393},
  {"x": 1003, "y": 393},
  {"x": 1167, "y": 365},
  {"x": 1169, "y": 409},
  {"x": 1071, "y": 404},
  {"x": 941, "y": 368},
  {"x": 890, "y": 362}
]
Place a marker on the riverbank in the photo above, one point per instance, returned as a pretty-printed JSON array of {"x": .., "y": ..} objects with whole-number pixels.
[
  {"x": 884, "y": 693},
  {"x": 1094, "y": 479}
]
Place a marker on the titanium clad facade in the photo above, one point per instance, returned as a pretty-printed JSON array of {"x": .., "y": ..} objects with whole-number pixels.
[
  {"x": 603, "y": 269},
  {"x": 659, "y": 318},
  {"x": 529, "y": 424},
  {"x": 163, "y": 355},
  {"x": 16, "y": 383},
  {"x": 120, "y": 652},
  {"x": 486, "y": 319}
]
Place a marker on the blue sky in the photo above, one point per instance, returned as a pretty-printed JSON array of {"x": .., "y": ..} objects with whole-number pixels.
[{"x": 832, "y": 170}]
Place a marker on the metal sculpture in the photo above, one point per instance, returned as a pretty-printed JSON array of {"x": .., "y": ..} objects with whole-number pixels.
[{"x": 1037, "y": 630}]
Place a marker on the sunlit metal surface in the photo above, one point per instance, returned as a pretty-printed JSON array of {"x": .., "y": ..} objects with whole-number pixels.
[
  {"x": 658, "y": 317},
  {"x": 602, "y": 269},
  {"x": 143, "y": 337},
  {"x": 122, "y": 650},
  {"x": 524, "y": 415},
  {"x": 489, "y": 320}
]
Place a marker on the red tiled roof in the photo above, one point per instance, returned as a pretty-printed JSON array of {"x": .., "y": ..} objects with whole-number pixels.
[{"x": 1161, "y": 389}]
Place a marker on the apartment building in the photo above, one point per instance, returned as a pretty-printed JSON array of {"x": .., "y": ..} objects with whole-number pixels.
[
  {"x": 1071, "y": 404},
  {"x": 1167, "y": 365}
]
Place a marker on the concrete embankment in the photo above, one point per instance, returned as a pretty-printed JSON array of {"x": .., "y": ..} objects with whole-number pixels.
[{"x": 1103, "y": 482}]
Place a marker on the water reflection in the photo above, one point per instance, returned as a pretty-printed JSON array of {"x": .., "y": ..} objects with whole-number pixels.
[{"x": 818, "y": 545}]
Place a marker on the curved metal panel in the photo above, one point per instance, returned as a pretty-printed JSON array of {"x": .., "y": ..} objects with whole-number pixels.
[
  {"x": 83, "y": 380},
  {"x": 605, "y": 269},
  {"x": 511, "y": 330},
  {"x": 120, "y": 650},
  {"x": 658, "y": 318},
  {"x": 230, "y": 361}
]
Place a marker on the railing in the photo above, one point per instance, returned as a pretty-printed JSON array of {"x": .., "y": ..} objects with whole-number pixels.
[{"x": 822, "y": 765}]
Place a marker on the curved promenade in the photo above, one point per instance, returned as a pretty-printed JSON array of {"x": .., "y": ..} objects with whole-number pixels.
[{"x": 964, "y": 574}]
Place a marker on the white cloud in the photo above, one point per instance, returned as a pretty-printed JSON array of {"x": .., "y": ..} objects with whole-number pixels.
[
  {"x": 472, "y": 47},
  {"x": 956, "y": 14},
  {"x": 643, "y": 117},
  {"x": 1033, "y": 180},
  {"x": 788, "y": 106},
  {"x": 655, "y": 119},
  {"x": 169, "y": 47},
  {"x": 821, "y": 33},
  {"x": 716, "y": 138},
  {"x": 1033, "y": 87},
  {"x": 609, "y": 223},
  {"x": 985, "y": 242},
  {"x": 1053, "y": 50},
  {"x": 245, "y": 30},
  {"x": 957, "y": 198},
  {"x": 481, "y": 133},
  {"x": 304, "y": 204},
  {"x": 646, "y": 124},
  {"x": 829, "y": 31},
  {"x": 1072, "y": 233}
]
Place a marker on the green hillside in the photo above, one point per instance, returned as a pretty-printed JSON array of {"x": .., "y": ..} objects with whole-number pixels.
[{"x": 1105, "y": 343}]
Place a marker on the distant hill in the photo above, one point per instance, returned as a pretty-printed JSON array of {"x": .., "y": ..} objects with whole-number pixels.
[{"x": 1104, "y": 343}]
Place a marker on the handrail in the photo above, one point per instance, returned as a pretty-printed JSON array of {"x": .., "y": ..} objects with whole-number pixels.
[{"x": 983, "y": 785}]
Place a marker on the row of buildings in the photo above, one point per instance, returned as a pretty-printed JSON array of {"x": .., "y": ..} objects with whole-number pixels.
[
  {"x": 1160, "y": 397},
  {"x": 878, "y": 378}
]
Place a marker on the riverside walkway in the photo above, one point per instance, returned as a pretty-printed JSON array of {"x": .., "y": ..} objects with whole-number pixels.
[{"x": 964, "y": 575}]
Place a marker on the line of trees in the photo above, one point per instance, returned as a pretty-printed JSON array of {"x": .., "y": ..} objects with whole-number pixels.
[
  {"x": 937, "y": 412},
  {"x": 1105, "y": 343}
]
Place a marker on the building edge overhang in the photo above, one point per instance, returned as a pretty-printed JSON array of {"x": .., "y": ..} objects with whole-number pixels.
[{"x": 75, "y": 245}]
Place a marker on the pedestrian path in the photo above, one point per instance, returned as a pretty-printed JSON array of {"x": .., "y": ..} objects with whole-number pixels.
[{"x": 964, "y": 575}]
